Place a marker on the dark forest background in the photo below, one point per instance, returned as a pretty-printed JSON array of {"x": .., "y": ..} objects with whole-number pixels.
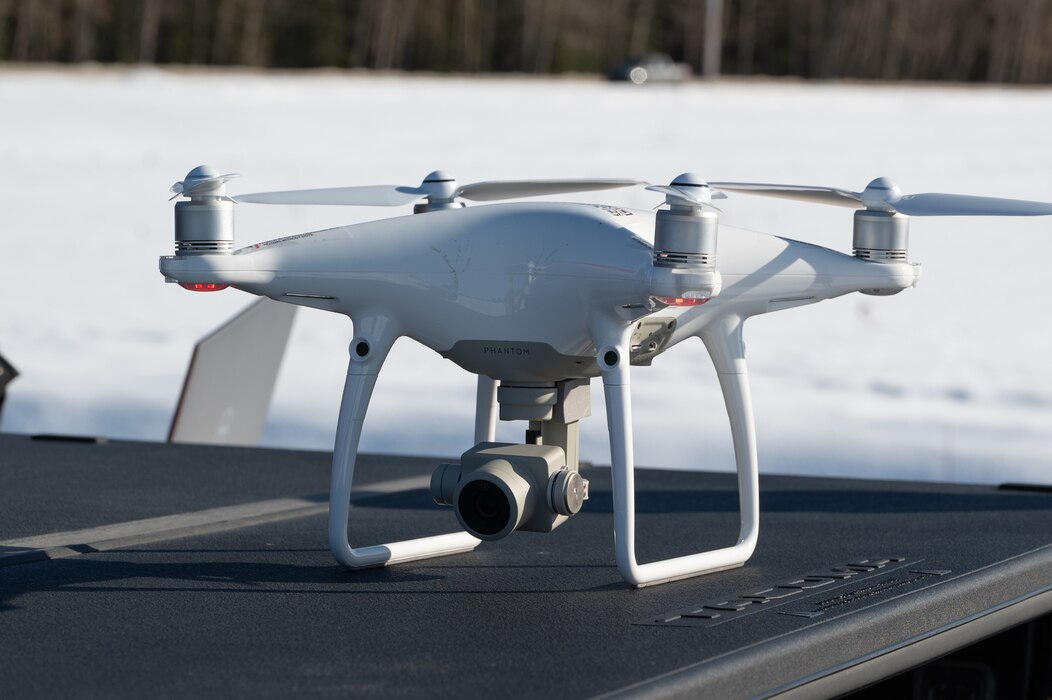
[{"x": 961, "y": 40}]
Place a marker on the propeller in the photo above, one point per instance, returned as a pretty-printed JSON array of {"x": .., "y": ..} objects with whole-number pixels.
[
  {"x": 203, "y": 180},
  {"x": 884, "y": 195},
  {"x": 438, "y": 188},
  {"x": 688, "y": 189}
]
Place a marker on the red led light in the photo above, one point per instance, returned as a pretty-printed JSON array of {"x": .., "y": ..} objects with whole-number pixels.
[
  {"x": 203, "y": 286},
  {"x": 682, "y": 301}
]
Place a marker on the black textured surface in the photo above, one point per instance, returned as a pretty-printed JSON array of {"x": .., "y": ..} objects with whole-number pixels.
[
  {"x": 57, "y": 485},
  {"x": 265, "y": 611}
]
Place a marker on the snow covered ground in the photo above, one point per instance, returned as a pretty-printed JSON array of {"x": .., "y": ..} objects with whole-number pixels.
[{"x": 950, "y": 381}]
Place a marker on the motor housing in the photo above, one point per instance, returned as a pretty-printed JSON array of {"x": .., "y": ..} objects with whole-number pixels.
[
  {"x": 204, "y": 225},
  {"x": 685, "y": 271}
]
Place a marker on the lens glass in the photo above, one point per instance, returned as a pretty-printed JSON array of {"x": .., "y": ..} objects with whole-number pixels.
[{"x": 484, "y": 507}]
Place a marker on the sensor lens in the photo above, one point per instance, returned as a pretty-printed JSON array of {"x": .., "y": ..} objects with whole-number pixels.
[{"x": 484, "y": 507}]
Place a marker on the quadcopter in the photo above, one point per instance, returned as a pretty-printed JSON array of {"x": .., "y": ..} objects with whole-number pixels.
[{"x": 537, "y": 299}]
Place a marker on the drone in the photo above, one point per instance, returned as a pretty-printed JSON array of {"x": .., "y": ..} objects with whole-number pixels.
[{"x": 537, "y": 299}]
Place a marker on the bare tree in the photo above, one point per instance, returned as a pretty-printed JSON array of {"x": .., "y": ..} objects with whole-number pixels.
[
  {"x": 540, "y": 33},
  {"x": 875, "y": 39},
  {"x": 252, "y": 49},
  {"x": 713, "y": 48},
  {"x": 746, "y": 35},
  {"x": 149, "y": 28},
  {"x": 642, "y": 25},
  {"x": 223, "y": 45},
  {"x": 392, "y": 30},
  {"x": 85, "y": 29}
]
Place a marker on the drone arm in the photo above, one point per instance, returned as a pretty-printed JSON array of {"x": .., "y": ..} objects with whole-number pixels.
[
  {"x": 724, "y": 341},
  {"x": 374, "y": 337}
]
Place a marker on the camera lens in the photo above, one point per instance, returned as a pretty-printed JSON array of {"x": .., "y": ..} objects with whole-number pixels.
[{"x": 484, "y": 507}]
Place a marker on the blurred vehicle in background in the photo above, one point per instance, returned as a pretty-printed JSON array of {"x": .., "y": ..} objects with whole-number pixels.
[{"x": 651, "y": 68}]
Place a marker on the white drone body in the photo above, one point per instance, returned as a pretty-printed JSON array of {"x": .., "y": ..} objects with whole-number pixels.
[{"x": 536, "y": 299}]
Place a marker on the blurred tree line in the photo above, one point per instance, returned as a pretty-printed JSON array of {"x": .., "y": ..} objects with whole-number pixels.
[{"x": 964, "y": 40}]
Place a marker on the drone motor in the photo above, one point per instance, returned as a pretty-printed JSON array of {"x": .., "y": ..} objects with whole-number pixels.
[
  {"x": 881, "y": 236},
  {"x": 685, "y": 244},
  {"x": 204, "y": 223}
]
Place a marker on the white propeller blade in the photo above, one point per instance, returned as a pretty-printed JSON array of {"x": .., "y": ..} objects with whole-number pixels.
[
  {"x": 393, "y": 195},
  {"x": 689, "y": 188},
  {"x": 936, "y": 204},
  {"x": 693, "y": 195},
  {"x": 884, "y": 195},
  {"x": 370, "y": 195},
  {"x": 513, "y": 189},
  {"x": 799, "y": 193},
  {"x": 200, "y": 181}
]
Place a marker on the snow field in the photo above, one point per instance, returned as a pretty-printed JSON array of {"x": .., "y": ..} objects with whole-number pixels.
[{"x": 949, "y": 381}]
